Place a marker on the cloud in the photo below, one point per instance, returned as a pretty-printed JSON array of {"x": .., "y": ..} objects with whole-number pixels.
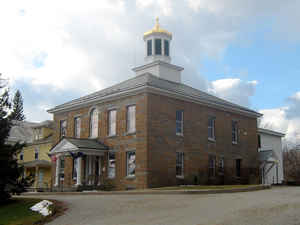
[
  {"x": 285, "y": 119},
  {"x": 65, "y": 46},
  {"x": 234, "y": 90}
]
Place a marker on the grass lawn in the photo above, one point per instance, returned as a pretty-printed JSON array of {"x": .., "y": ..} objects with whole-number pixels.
[
  {"x": 204, "y": 187},
  {"x": 17, "y": 212}
]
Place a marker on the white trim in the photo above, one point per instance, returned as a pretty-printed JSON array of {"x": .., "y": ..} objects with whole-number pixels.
[{"x": 270, "y": 132}]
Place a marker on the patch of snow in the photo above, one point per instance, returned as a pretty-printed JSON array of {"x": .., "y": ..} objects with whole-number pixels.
[{"x": 42, "y": 207}]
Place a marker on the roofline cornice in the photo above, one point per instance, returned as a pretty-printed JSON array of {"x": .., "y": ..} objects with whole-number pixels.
[
  {"x": 155, "y": 90},
  {"x": 270, "y": 132}
]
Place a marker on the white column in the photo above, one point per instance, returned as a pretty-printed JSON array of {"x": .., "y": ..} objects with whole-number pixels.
[
  {"x": 57, "y": 171},
  {"x": 79, "y": 163}
]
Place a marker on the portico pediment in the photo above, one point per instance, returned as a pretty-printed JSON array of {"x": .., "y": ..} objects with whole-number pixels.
[{"x": 63, "y": 146}]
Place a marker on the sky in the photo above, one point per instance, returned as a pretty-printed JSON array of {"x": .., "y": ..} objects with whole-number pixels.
[{"x": 246, "y": 51}]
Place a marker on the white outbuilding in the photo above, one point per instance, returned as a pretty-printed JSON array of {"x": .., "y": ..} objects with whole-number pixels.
[{"x": 271, "y": 156}]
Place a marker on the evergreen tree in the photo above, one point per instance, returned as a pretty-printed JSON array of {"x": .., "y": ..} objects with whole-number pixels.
[
  {"x": 17, "y": 113},
  {"x": 11, "y": 179}
]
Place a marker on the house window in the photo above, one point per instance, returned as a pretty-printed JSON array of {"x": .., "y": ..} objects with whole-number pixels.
[
  {"x": 234, "y": 132},
  {"x": 212, "y": 166},
  {"x": 94, "y": 123},
  {"x": 63, "y": 128},
  {"x": 111, "y": 164},
  {"x": 62, "y": 168},
  {"x": 166, "y": 42},
  {"x": 211, "y": 128},
  {"x": 131, "y": 119},
  {"x": 221, "y": 165},
  {"x": 238, "y": 163},
  {"x": 112, "y": 125},
  {"x": 77, "y": 125},
  {"x": 179, "y": 122},
  {"x": 149, "y": 47},
  {"x": 130, "y": 162},
  {"x": 22, "y": 155},
  {"x": 38, "y": 133},
  {"x": 36, "y": 154},
  {"x": 259, "y": 140},
  {"x": 179, "y": 164},
  {"x": 157, "y": 46},
  {"x": 75, "y": 166}
]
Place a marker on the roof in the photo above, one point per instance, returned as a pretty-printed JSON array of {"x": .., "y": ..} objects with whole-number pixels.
[
  {"x": 270, "y": 132},
  {"x": 34, "y": 163},
  {"x": 46, "y": 123},
  {"x": 151, "y": 83},
  {"x": 267, "y": 156},
  {"x": 21, "y": 131},
  {"x": 68, "y": 144},
  {"x": 87, "y": 143},
  {"x": 157, "y": 29}
]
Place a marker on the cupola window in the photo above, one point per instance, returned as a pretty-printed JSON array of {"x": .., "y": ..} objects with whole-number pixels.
[
  {"x": 149, "y": 47},
  {"x": 166, "y": 47},
  {"x": 157, "y": 46}
]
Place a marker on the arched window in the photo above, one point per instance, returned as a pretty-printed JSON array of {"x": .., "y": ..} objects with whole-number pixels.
[{"x": 94, "y": 123}]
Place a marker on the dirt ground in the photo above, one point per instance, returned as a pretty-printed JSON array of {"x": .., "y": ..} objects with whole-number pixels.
[{"x": 276, "y": 206}]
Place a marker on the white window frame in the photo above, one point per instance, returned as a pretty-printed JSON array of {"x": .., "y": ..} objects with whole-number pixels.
[
  {"x": 77, "y": 126},
  {"x": 131, "y": 119},
  {"x": 127, "y": 164},
  {"x": 179, "y": 122},
  {"x": 63, "y": 129},
  {"x": 109, "y": 165},
  {"x": 94, "y": 119},
  {"x": 234, "y": 132},
  {"x": 221, "y": 164},
  {"x": 212, "y": 128},
  {"x": 180, "y": 163},
  {"x": 36, "y": 152},
  {"x": 112, "y": 122},
  {"x": 62, "y": 169}
]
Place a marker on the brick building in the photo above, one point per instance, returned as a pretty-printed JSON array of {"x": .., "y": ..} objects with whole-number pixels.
[{"x": 152, "y": 131}]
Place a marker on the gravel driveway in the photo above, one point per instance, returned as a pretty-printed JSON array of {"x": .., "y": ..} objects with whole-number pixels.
[{"x": 278, "y": 206}]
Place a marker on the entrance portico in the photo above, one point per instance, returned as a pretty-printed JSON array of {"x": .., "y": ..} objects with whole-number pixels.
[{"x": 78, "y": 163}]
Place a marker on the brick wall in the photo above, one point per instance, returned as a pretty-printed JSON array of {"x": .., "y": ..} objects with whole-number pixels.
[
  {"x": 163, "y": 142},
  {"x": 121, "y": 143}
]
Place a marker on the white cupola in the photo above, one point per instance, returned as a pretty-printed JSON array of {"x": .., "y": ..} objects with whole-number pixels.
[
  {"x": 157, "y": 59},
  {"x": 157, "y": 44}
]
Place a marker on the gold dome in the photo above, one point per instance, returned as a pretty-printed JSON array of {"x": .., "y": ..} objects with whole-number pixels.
[{"x": 157, "y": 29}]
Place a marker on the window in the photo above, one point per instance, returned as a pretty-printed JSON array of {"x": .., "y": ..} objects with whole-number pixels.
[
  {"x": 112, "y": 125},
  {"x": 259, "y": 140},
  {"x": 149, "y": 47},
  {"x": 130, "y": 162},
  {"x": 179, "y": 164},
  {"x": 211, "y": 128},
  {"x": 75, "y": 166},
  {"x": 63, "y": 128},
  {"x": 62, "y": 168},
  {"x": 238, "y": 163},
  {"x": 166, "y": 47},
  {"x": 111, "y": 165},
  {"x": 179, "y": 122},
  {"x": 22, "y": 155},
  {"x": 212, "y": 166},
  {"x": 131, "y": 119},
  {"x": 36, "y": 154},
  {"x": 221, "y": 165},
  {"x": 38, "y": 133},
  {"x": 157, "y": 46},
  {"x": 94, "y": 123},
  {"x": 77, "y": 125},
  {"x": 234, "y": 132}
]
